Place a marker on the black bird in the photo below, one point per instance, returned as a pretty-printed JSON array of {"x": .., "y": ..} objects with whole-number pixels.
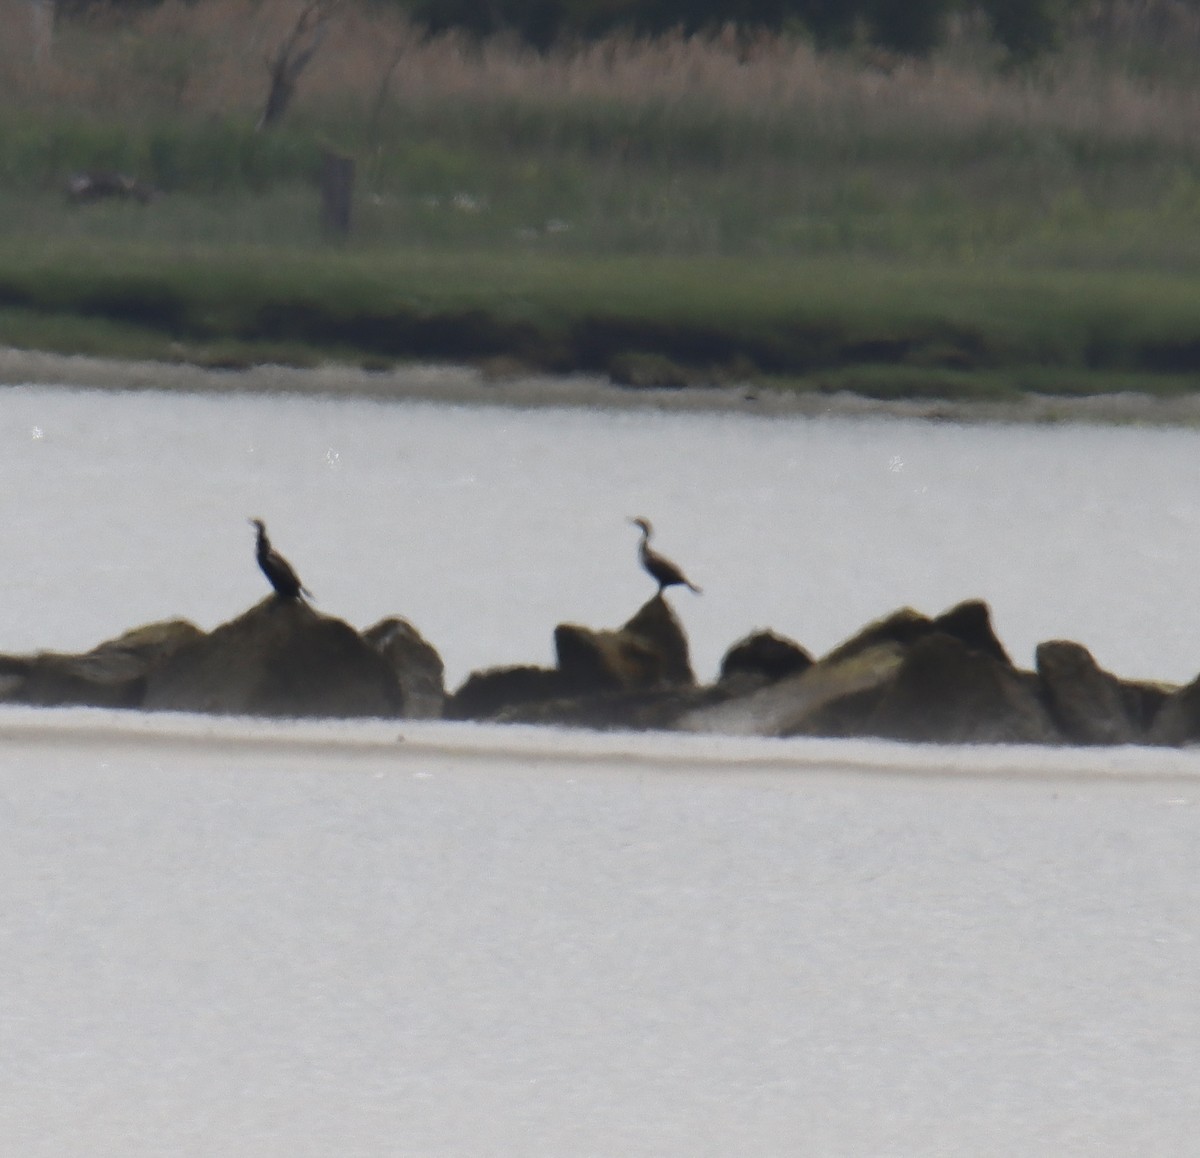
[
  {"x": 276, "y": 568},
  {"x": 662, "y": 570}
]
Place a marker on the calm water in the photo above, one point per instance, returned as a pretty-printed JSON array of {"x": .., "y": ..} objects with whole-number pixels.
[
  {"x": 488, "y": 526},
  {"x": 243, "y": 938},
  {"x": 313, "y": 940}
]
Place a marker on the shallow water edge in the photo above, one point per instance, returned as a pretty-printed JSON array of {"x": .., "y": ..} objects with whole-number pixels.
[{"x": 464, "y": 385}]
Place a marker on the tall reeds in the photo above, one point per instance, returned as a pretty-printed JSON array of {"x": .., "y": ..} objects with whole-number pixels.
[
  {"x": 716, "y": 145},
  {"x": 1128, "y": 69}
]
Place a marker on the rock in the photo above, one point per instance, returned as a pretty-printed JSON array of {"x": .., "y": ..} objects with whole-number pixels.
[
  {"x": 970, "y": 622},
  {"x": 485, "y": 695},
  {"x": 1177, "y": 721},
  {"x": 807, "y": 703},
  {"x": 901, "y": 627},
  {"x": 416, "y": 664},
  {"x": 945, "y": 692},
  {"x": 111, "y": 675},
  {"x": 280, "y": 658},
  {"x": 639, "y": 710},
  {"x": 1148, "y": 696},
  {"x": 906, "y": 676},
  {"x": 657, "y": 625},
  {"x": 764, "y": 658},
  {"x": 650, "y": 652},
  {"x": 1089, "y": 705},
  {"x": 602, "y": 661}
]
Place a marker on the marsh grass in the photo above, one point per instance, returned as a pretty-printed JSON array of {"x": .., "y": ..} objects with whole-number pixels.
[
  {"x": 825, "y": 324},
  {"x": 733, "y": 209}
]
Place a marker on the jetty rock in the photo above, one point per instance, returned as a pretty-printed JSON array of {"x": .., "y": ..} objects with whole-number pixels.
[
  {"x": 638, "y": 676},
  {"x": 1093, "y": 706},
  {"x": 416, "y": 664},
  {"x": 281, "y": 658},
  {"x": 1177, "y": 721},
  {"x": 111, "y": 675},
  {"x": 908, "y": 677},
  {"x": 761, "y": 658}
]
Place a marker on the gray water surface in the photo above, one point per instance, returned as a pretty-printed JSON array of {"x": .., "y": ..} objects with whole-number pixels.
[{"x": 486, "y": 526}]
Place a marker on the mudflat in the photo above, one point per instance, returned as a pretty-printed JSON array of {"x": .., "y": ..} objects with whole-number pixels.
[{"x": 464, "y": 385}]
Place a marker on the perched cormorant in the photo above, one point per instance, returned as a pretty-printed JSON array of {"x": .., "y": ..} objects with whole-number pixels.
[
  {"x": 662, "y": 570},
  {"x": 276, "y": 568}
]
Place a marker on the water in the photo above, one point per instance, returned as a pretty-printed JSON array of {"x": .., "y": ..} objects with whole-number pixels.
[
  {"x": 369, "y": 938},
  {"x": 222, "y": 937},
  {"x": 486, "y": 527}
]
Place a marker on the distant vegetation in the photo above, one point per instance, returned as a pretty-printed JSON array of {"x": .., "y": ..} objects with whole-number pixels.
[
  {"x": 763, "y": 205},
  {"x": 1023, "y": 28}
]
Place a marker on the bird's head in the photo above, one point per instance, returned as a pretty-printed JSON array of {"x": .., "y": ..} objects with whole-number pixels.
[
  {"x": 259, "y": 525},
  {"x": 643, "y": 524}
]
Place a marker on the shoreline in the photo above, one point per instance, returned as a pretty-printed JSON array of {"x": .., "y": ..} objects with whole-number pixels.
[
  {"x": 539, "y": 746},
  {"x": 464, "y": 385}
]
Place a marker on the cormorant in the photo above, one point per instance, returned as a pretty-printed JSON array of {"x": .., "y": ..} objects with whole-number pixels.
[
  {"x": 661, "y": 570},
  {"x": 276, "y": 568}
]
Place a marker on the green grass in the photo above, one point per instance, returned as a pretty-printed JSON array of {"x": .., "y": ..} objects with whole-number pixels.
[
  {"x": 689, "y": 177},
  {"x": 880, "y": 327},
  {"x": 654, "y": 240}
]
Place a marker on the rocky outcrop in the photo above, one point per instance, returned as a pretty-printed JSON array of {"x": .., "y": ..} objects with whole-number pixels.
[
  {"x": 1177, "y": 721},
  {"x": 487, "y": 695},
  {"x": 651, "y": 709},
  {"x": 907, "y": 676},
  {"x": 281, "y": 658},
  {"x": 763, "y": 658},
  {"x": 649, "y": 651},
  {"x": 946, "y": 692},
  {"x": 1090, "y": 705},
  {"x": 111, "y": 675},
  {"x": 904, "y": 677},
  {"x": 820, "y": 701},
  {"x": 607, "y": 676},
  {"x": 416, "y": 665}
]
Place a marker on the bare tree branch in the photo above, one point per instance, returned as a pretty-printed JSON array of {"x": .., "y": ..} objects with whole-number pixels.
[{"x": 290, "y": 59}]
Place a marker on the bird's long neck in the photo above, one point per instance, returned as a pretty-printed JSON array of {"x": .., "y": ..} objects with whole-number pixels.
[{"x": 263, "y": 546}]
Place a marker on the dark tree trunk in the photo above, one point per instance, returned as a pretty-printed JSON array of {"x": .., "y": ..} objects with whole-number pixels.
[{"x": 292, "y": 57}]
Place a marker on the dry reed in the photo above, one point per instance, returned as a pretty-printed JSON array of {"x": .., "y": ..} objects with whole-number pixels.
[{"x": 1124, "y": 75}]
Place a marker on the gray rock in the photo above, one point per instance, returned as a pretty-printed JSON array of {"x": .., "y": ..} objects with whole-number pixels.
[
  {"x": 1178, "y": 719},
  {"x": 948, "y": 693},
  {"x": 763, "y": 658},
  {"x": 641, "y": 710},
  {"x": 650, "y": 650},
  {"x": 1089, "y": 705},
  {"x": 485, "y": 695},
  {"x": 906, "y": 676},
  {"x": 902, "y": 627},
  {"x": 806, "y": 703},
  {"x": 281, "y": 658},
  {"x": 111, "y": 675},
  {"x": 647, "y": 654},
  {"x": 417, "y": 666},
  {"x": 970, "y": 622}
]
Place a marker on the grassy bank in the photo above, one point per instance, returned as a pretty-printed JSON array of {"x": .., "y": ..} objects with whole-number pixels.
[
  {"x": 668, "y": 212},
  {"x": 883, "y": 329}
]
